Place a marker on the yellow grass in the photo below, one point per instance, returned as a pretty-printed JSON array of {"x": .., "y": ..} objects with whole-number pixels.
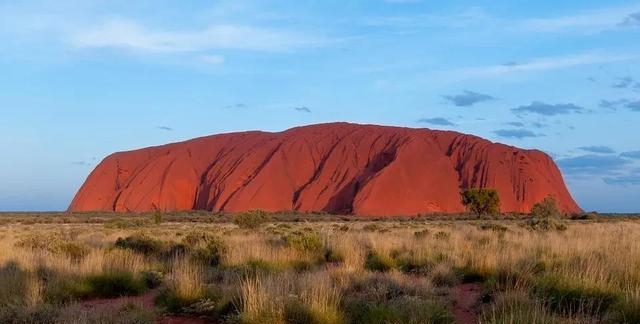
[{"x": 604, "y": 257}]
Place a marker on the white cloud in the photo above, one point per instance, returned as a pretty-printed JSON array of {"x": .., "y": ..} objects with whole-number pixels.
[
  {"x": 126, "y": 34},
  {"x": 212, "y": 59}
]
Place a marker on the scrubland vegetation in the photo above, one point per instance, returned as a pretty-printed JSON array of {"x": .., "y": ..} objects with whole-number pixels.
[{"x": 252, "y": 269}]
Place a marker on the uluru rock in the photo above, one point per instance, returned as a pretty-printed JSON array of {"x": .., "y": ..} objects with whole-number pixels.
[{"x": 335, "y": 168}]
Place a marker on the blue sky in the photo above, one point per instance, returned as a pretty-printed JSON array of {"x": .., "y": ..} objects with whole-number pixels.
[{"x": 82, "y": 79}]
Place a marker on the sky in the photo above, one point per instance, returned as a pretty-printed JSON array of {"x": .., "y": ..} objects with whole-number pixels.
[{"x": 82, "y": 79}]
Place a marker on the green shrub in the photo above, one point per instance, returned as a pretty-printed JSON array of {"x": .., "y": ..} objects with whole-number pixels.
[
  {"x": 196, "y": 238},
  {"x": 625, "y": 310},
  {"x": 140, "y": 243},
  {"x": 209, "y": 251},
  {"x": 304, "y": 242},
  {"x": 517, "y": 307},
  {"x": 148, "y": 246},
  {"x": 295, "y": 312},
  {"x": 257, "y": 266},
  {"x": 469, "y": 273},
  {"x": 377, "y": 262},
  {"x": 115, "y": 284},
  {"x": 332, "y": 256},
  {"x": 567, "y": 297},
  {"x": 118, "y": 223},
  {"x": 13, "y": 284},
  {"x": 546, "y": 224},
  {"x": 250, "y": 219},
  {"x": 106, "y": 285},
  {"x": 54, "y": 244},
  {"x": 405, "y": 309},
  {"x": 212, "y": 304},
  {"x": 584, "y": 216}
]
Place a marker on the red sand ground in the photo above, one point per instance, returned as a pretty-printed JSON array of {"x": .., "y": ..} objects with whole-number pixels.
[
  {"x": 336, "y": 168},
  {"x": 145, "y": 301},
  {"x": 465, "y": 297}
]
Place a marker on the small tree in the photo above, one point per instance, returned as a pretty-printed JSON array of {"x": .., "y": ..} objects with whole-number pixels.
[
  {"x": 546, "y": 209},
  {"x": 481, "y": 201},
  {"x": 545, "y": 216},
  {"x": 157, "y": 214}
]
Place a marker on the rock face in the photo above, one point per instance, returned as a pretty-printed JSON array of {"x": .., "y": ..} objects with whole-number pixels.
[{"x": 336, "y": 168}]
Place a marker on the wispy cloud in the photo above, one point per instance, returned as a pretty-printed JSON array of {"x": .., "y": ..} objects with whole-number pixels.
[
  {"x": 612, "y": 104},
  {"x": 623, "y": 83},
  {"x": 236, "y": 106},
  {"x": 165, "y": 128},
  {"x": 634, "y": 105},
  {"x": 585, "y": 21},
  {"x": 632, "y": 19},
  {"x": 459, "y": 19},
  {"x": 597, "y": 149},
  {"x": 302, "y": 109},
  {"x": 129, "y": 34},
  {"x": 402, "y": 1},
  {"x": 631, "y": 179},
  {"x": 212, "y": 59},
  {"x": 436, "y": 121},
  {"x": 543, "y": 64},
  {"x": 515, "y": 133},
  {"x": 468, "y": 98},
  {"x": 592, "y": 163},
  {"x": 631, "y": 154},
  {"x": 545, "y": 109}
]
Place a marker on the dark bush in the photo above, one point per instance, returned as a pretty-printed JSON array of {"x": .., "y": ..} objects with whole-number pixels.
[
  {"x": 141, "y": 244},
  {"x": 443, "y": 236},
  {"x": 332, "y": 256},
  {"x": 493, "y": 227},
  {"x": 151, "y": 279},
  {"x": 421, "y": 234},
  {"x": 106, "y": 285},
  {"x": 114, "y": 284},
  {"x": 213, "y": 304},
  {"x": 250, "y": 219},
  {"x": 371, "y": 227}
]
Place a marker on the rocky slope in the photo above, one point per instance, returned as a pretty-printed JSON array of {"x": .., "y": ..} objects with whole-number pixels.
[{"x": 336, "y": 168}]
